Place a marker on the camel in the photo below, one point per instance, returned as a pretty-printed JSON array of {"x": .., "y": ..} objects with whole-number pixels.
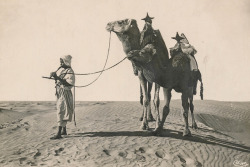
[{"x": 154, "y": 65}]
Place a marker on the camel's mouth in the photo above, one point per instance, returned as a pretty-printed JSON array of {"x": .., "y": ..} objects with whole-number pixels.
[
  {"x": 133, "y": 54},
  {"x": 120, "y": 26}
]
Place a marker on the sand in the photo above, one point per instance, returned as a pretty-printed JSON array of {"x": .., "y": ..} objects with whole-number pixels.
[{"x": 108, "y": 134}]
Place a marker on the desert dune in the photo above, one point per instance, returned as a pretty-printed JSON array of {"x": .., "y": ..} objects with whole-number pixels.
[{"x": 108, "y": 134}]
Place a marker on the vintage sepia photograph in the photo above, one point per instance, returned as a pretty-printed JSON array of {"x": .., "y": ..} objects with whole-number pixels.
[{"x": 114, "y": 83}]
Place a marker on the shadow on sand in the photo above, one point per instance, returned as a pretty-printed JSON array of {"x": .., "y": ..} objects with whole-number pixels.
[{"x": 169, "y": 134}]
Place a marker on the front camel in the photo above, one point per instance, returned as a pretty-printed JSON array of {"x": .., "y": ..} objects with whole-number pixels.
[{"x": 154, "y": 65}]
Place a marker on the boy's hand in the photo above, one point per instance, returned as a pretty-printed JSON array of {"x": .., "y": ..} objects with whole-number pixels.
[{"x": 53, "y": 74}]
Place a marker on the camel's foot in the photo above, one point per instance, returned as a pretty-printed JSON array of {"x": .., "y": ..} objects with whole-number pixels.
[
  {"x": 56, "y": 137},
  {"x": 158, "y": 125},
  {"x": 194, "y": 125},
  {"x": 186, "y": 132},
  {"x": 141, "y": 118},
  {"x": 144, "y": 127},
  {"x": 150, "y": 118},
  {"x": 157, "y": 131}
]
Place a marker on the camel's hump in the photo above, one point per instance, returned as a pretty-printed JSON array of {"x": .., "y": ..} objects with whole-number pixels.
[{"x": 160, "y": 44}]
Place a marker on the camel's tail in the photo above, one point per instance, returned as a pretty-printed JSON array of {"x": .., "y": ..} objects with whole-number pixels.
[
  {"x": 201, "y": 91},
  {"x": 201, "y": 87}
]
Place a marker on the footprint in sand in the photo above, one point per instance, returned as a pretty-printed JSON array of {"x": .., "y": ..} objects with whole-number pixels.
[
  {"x": 181, "y": 159},
  {"x": 115, "y": 153},
  {"x": 198, "y": 164},
  {"x": 106, "y": 152},
  {"x": 189, "y": 162},
  {"x": 123, "y": 154},
  {"x": 17, "y": 127},
  {"x": 43, "y": 164},
  {"x": 58, "y": 151},
  {"x": 22, "y": 159},
  {"x": 160, "y": 154},
  {"x": 37, "y": 154},
  {"x": 16, "y": 121},
  {"x": 140, "y": 158},
  {"x": 31, "y": 163},
  {"x": 140, "y": 150},
  {"x": 26, "y": 126},
  {"x": 143, "y": 150}
]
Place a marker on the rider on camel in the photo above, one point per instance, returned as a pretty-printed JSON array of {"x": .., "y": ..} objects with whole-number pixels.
[
  {"x": 147, "y": 36},
  {"x": 190, "y": 51}
]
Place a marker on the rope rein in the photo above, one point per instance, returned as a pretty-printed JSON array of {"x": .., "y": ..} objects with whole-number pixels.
[
  {"x": 101, "y": 71},
  {"x": 98, "y": 71}
]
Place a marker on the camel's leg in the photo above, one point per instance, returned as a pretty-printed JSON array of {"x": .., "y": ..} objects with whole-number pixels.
[
  {"x": 143, "y": 83},
  {"x": 166, "y": 109},
  {"x": 185, "y": 105},
  {"x": 194, "y": 125},
  {"x": 157, "y": 104},
  {"x": 149, "y": 116},
  {"x": 149, "y": 113}
]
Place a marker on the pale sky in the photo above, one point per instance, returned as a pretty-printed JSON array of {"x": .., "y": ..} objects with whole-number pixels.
[{"x": 35, "y": 33}]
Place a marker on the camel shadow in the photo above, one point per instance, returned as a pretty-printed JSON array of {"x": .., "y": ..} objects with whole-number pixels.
[
  {"x": 200, "y": 129},
  {"x": 168, "y": 133}
]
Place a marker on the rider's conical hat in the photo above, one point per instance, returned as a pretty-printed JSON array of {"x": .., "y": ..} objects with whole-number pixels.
[
  {"x": 177, "y": 37},
  {"x": 148, "y": 18},
  {"x": 185, "y": 40}
]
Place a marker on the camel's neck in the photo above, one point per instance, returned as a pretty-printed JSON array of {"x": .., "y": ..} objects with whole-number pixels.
[
  {"x": 157, "y": 69},
  {"x": 130, "y": 40}
]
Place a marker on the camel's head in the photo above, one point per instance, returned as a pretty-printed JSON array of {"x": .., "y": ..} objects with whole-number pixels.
[
  {"x": 144, "y": 55},
  {"x": 121, "y": 26},
  {"x": 128, "y": 33}
]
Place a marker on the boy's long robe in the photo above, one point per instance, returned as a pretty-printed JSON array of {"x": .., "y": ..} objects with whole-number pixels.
[{"x": 65, "y": 105}]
